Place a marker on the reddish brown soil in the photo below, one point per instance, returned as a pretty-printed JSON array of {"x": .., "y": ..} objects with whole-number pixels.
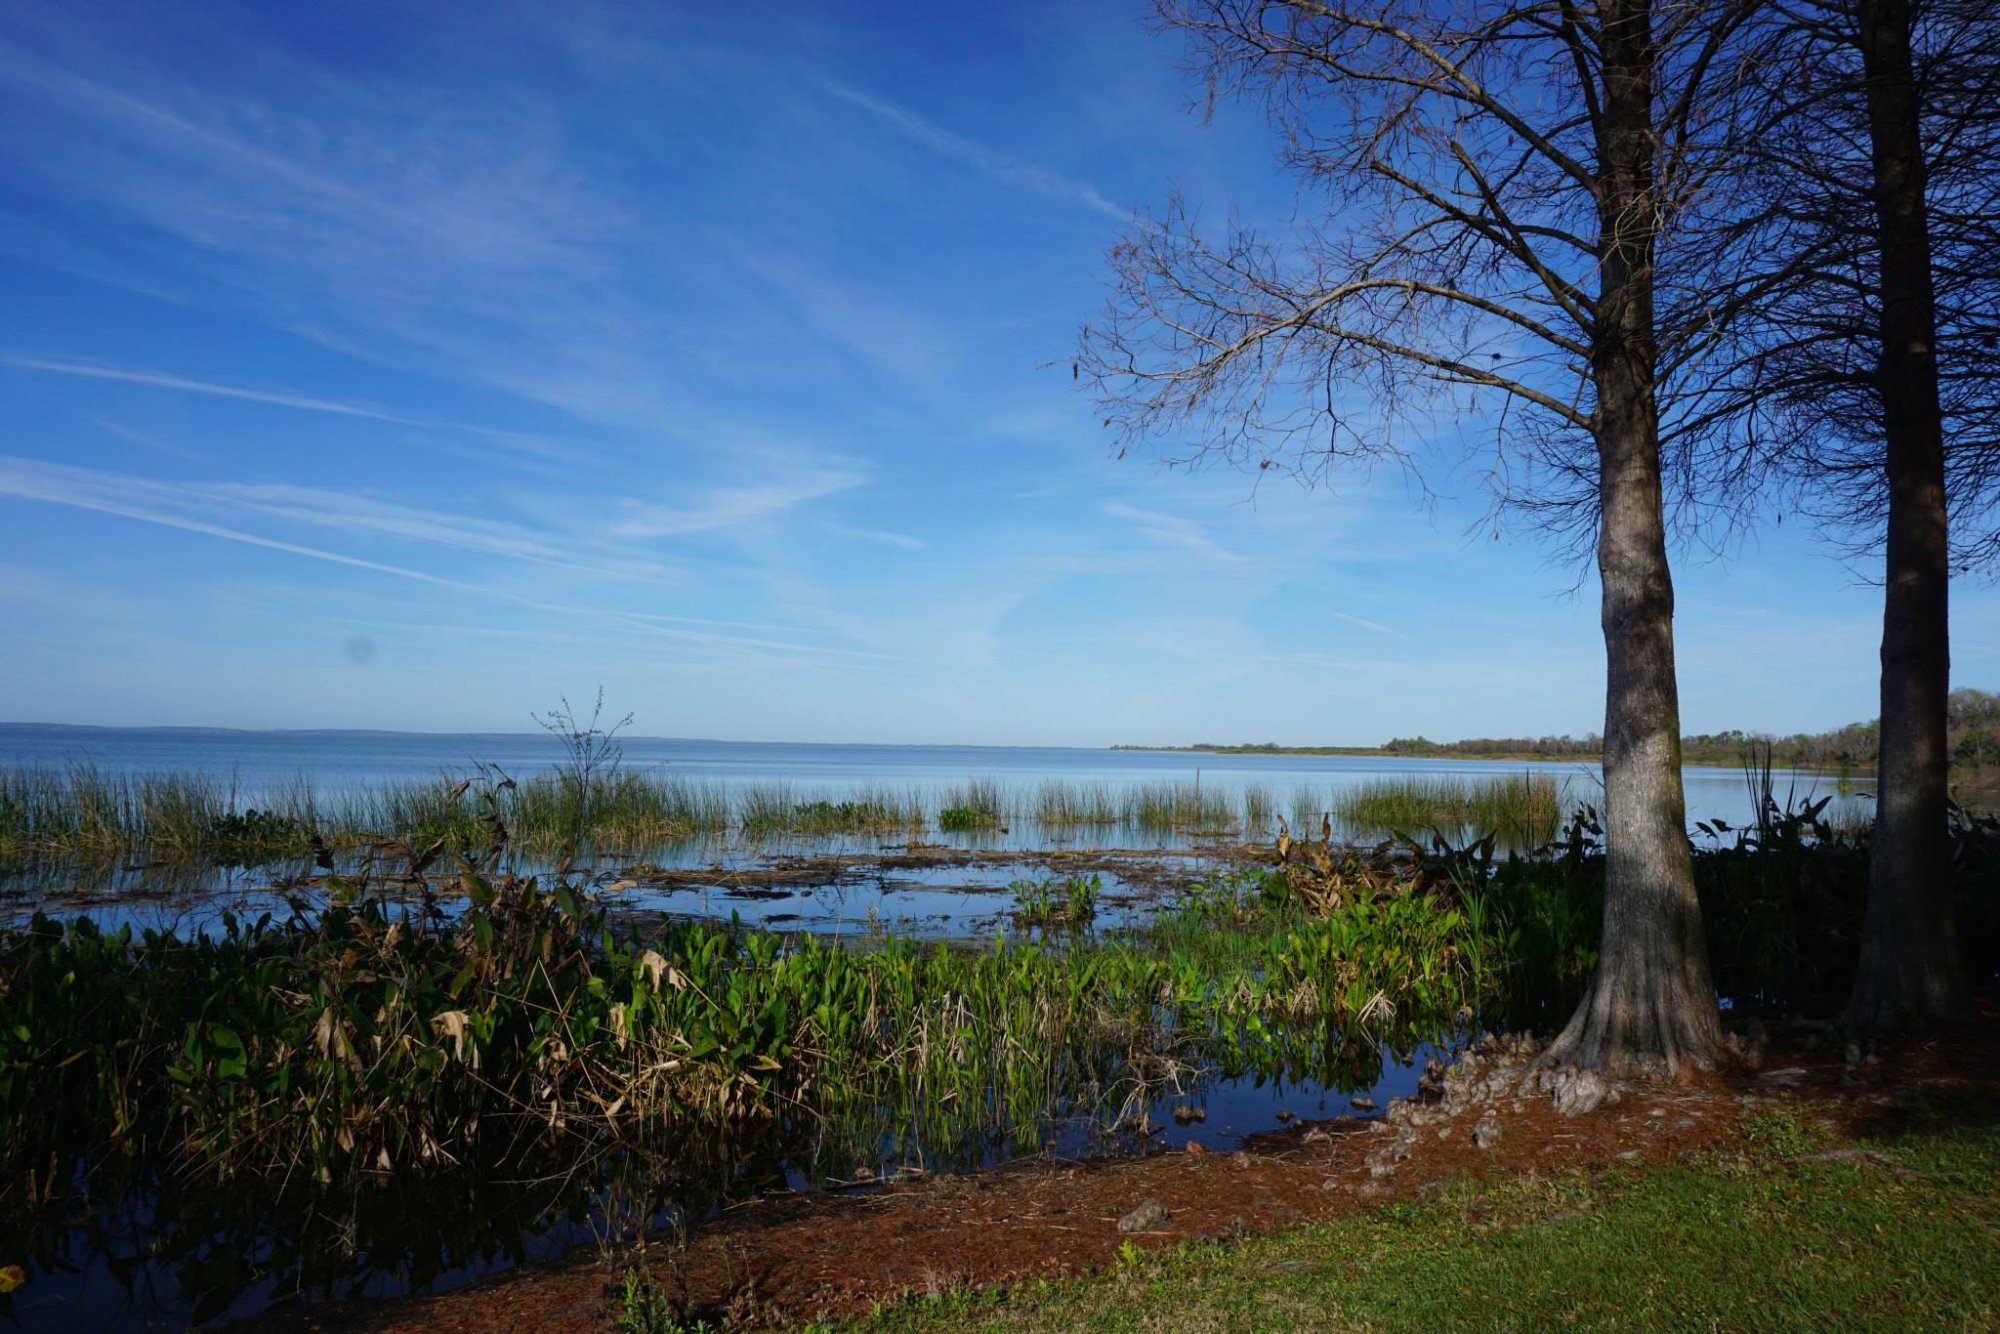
[{"x": 794, "y": 1257}]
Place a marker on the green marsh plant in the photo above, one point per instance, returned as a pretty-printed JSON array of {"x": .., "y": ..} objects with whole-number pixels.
[{"x": 1057, "y": 903}]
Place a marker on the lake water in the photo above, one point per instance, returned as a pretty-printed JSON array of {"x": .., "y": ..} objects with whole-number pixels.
[
  {"x": 332, "y": 761},
  {"x": 875, "y": 888}
]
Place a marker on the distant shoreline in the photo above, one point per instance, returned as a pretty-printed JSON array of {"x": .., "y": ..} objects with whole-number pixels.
[
  {"x": 1863, "y": 776},
  {"x": 1368, "y": 752}
]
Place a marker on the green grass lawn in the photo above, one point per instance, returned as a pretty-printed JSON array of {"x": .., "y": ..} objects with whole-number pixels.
[{"x": 1901, "y": 1232}]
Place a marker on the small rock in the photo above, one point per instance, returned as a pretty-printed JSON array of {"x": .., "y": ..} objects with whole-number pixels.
[
  {"x": 1148, "y": 1217},
  {"x": 1444, "y": 1132},
  {"x": 1331, "y": 1183},
  {"x": 1487, "y": 1133},
  {"x": 1363, "y": 1104},
  {"x": 1577, "y": 1091},
  {"x": 1790, "y": 1077},
  {"x": 1240, "y": 1158},
  {"x": 1317, "y": 1136},
  {"x": 1379, "y": 1170},
  {"x": 1284, "y": 1115},
  {"x": 1629, "y": 1155},
  {"x": 1195, "y": 1146}
]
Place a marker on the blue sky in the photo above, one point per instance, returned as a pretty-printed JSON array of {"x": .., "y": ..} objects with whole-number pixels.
[{"x": 405, "y": 366}]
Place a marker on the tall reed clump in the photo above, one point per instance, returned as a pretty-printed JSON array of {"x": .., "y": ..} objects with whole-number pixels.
[
  {"x": 1523, "y": 810},
  {"x": 776, "y": 810},
  {"x": 1260, "y": 810},
  {"x": 1179, "y": 806},
  {"x": 85, "y": 811},
  {"x": 1064, "y": 805},
  {"x": 622, "y": 807},
  {"x": 973, "y": 805}
]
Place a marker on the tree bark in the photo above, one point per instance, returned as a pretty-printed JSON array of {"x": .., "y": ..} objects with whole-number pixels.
[
  {"x": 1910, "y": 970},
  {"x": 1651, "y": 1007}
]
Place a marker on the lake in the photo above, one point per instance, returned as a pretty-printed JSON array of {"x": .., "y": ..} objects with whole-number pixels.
[{"x": 333, "y": 761}]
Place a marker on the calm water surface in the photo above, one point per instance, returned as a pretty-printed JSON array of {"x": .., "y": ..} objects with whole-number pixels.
[{"x": 259, "y": 762}]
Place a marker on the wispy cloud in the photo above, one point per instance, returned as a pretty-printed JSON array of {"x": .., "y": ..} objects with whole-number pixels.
[
  {"x": 274, "y": 397},
  {"x": 727, "y": 506},
  {"x": 127, "y": 497},
  {"x": 409, "y": 222},
  {"x": 148, "y": 440},
  {"x": 1006, "y": 168},
  {"x": 83, "y": 488},
  {"x": 345, "y": 512},
  {"x": 1171, "y": 530},
  {"x": 1376, "y": 626},
  {"x": 879, "y": 536}
]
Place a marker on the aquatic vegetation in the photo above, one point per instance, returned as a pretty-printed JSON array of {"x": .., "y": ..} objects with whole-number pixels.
[
  {"x": 1064, "y": 805},
  {"x": 773, "y": 809},
  {"x": 1068, "y": 902},
  {"x": 1260, "y": 810},
  {"x": 976, "y": 804},
  {"x": 357, "y": 1033},
  {"x": 624, "y": 808},
  {"x": 1523, "y": 810},
  {"x": 1168, "y": 807}
]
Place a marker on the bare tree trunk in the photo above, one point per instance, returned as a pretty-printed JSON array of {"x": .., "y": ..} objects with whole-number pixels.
[
  {"x": 1910, "y": 969},
  {"x": 1651, "y": 1006}
]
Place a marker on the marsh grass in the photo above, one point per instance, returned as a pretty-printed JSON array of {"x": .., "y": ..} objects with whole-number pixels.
[
  {"x": 974, "y": 806},
  {"x": 771, "y": 810},
  {"x": 623, "y": 807},
  {"x": 86, "y": 811},
  {"x": 1310, "y": 805},
  {"x": 1523, "y": 810},
  {"x": 1167, "y": 807},
  {"x": 1064, "y": 805},
  {"x": 1260, "y": 810},
  {"x": 1065, "y": 903}
]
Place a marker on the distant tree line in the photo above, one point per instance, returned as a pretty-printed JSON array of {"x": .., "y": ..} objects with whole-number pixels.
[{"x": 1972, "y": 737}]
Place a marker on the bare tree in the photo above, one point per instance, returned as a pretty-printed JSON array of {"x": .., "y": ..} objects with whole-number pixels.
[
  {"x": 1502, "y": 190},
  {"x": 1877, "y": 179}
]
